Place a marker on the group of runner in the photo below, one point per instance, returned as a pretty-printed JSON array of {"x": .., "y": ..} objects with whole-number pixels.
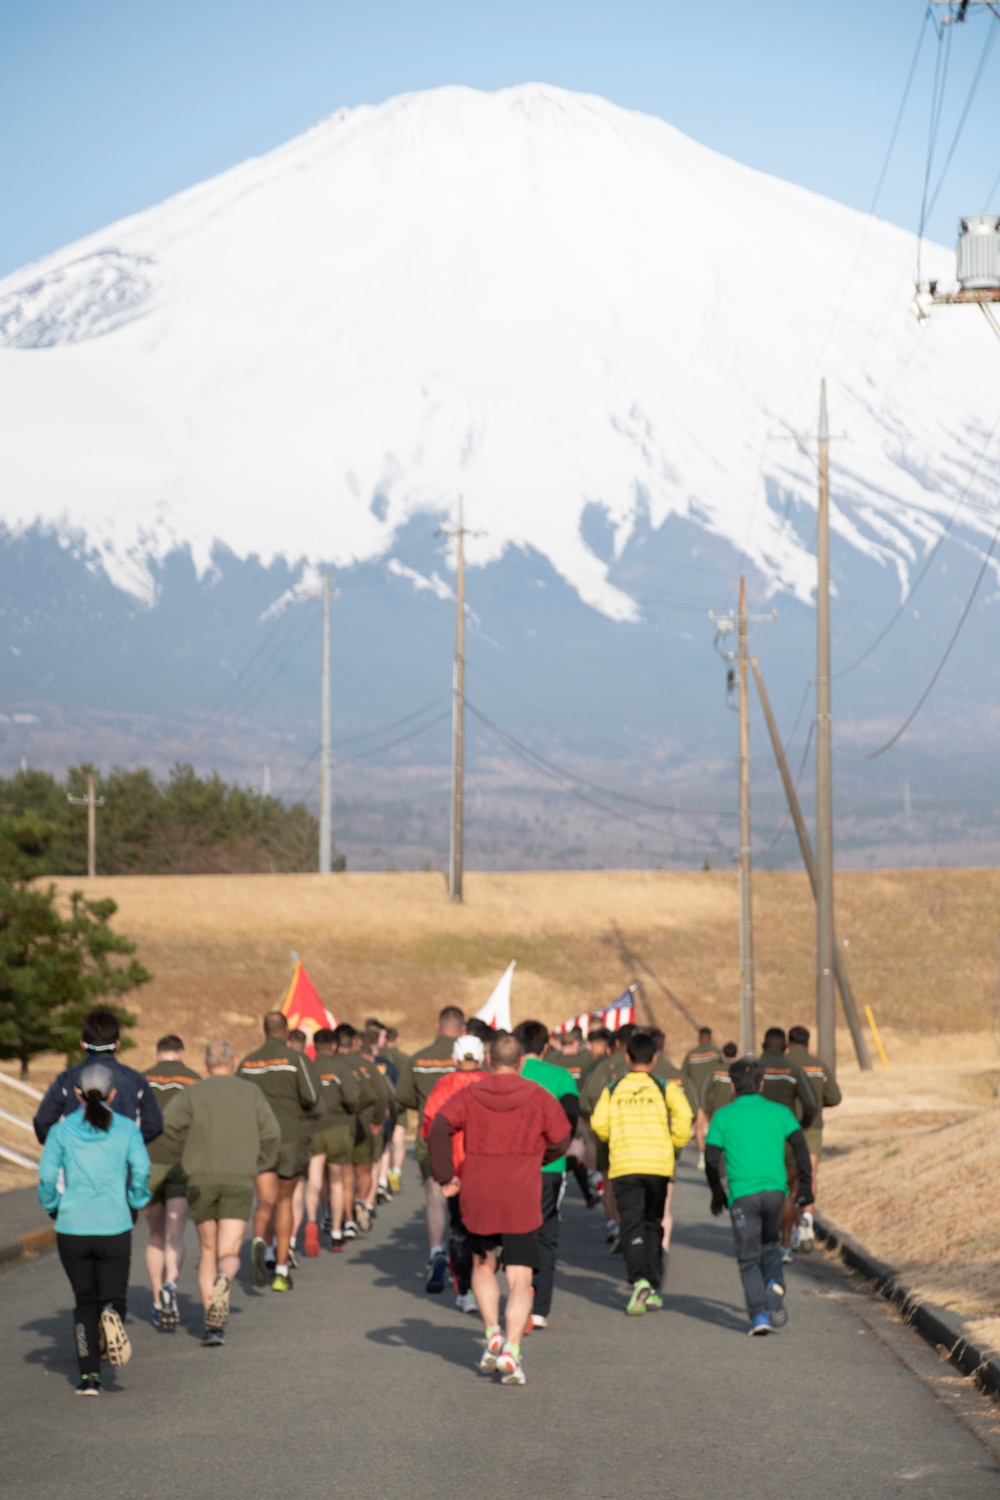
[{"x": 310, "y": 1149}]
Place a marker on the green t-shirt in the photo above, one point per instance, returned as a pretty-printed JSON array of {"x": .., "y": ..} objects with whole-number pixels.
[
  {"x": 558, "y": 1082},
  {"x": 751, "y": 1132}
]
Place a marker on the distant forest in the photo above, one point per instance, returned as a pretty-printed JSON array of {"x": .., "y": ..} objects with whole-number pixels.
[{"x": 185, "y": 825}]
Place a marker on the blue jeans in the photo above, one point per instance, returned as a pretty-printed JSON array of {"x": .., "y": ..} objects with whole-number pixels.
[{"x": 757, "y": 1234}]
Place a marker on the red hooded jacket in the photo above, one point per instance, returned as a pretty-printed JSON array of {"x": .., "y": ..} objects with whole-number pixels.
[{"x": 511, "y": 1128}]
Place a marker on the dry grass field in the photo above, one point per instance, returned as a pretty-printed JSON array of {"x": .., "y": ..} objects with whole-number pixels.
[{"x": 914, "y": 1154}]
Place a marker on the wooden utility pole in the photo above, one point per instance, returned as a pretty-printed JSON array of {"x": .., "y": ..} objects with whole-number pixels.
[
  {"x": 825, "y": 998},
  {"x": 839, "y": 968},
  {"x": 747, "y": 1022},
  {"x": 325, "y": 811},
  {"x": 91, "y": 803},
  {"x": 455, "y": 860}
]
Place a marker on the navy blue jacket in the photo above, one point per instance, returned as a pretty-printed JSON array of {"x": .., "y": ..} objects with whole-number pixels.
[{"x": 135, "y": 1099}]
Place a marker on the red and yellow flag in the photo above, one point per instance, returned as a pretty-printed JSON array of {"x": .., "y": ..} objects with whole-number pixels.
[{"x": 303, "y": 1007}]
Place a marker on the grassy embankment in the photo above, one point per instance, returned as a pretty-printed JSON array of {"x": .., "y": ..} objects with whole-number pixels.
[{"x": 913, "y": 1154}]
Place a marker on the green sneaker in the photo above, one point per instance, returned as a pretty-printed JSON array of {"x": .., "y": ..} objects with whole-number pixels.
[
  {"x": 281, "y": 1283},
  {"x": 654, "y": 1300},
  {"x": 640, "y": 1296}
]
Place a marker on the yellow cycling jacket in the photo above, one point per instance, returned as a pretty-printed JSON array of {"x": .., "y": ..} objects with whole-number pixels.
[{"x": 645, "y": 1122}]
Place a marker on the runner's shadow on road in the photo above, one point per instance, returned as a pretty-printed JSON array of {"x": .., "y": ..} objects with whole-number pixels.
[
  {"x": 57, "y": 1357},
  {"x": 706, "y": 1310},
  {"x": 455, "y": 1346}
]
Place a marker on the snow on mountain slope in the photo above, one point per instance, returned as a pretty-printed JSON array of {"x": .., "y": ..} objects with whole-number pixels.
[{"x": 534, "y": 299}]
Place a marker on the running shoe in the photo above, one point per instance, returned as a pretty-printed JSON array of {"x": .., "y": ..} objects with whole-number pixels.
[
  {"x": 654, "y": 1300},
  {"x": 213, "y": 1338},
  {"x": 312, "y": 1240},
  {"x": 536, "y": 1322},
  {"x": 117, "y": 1340},
  {"x": 326, "y": 1223},
  {"x": 466, "y": 1302},
  {"x": 382, "y": 1193},
  {"x": 637, "y": 1302},
  {"x": 395, "y": 1180},
  {"x": 218, "y": 1307},
  {"x": 616, "y": 1244},
  {"x": 509, "y": 1367},
  {"x": 350, "y": 1230},
  {"x": 281, "y": 1283},
  {"x": 336, "y": 1243},
  {"x": 611, "y": 1231},
  {"x": 797, "y": 1236},
  {"x": 293, "y": 1259},
  {"x": 786, "y": 1255},
  {"x": 494, "y": 1344},
  {"x": 759, "y": 1324},
  {"x": 807, "y": 1234},
  {"x": 90, "y": 1385},
  {"x": 362, "y": 1216},
  {"x": 156, "y": 1318},
  {"x": 169, "y": 1313},
  {"x": 437, "y": 1274},
  {"x": 258, "y": 1262},
  {"x": 777, "y": 1312},
  {"x": 701, "y": 1161}
]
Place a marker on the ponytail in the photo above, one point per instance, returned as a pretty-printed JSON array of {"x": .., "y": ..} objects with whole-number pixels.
[{"x": 95, "y": 1110}]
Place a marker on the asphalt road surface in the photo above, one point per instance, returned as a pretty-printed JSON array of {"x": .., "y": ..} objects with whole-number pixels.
[{"x": 359, "y": 1384}]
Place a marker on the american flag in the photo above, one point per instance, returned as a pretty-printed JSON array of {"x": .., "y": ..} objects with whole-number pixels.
[{"x": 620, "y": 1012}]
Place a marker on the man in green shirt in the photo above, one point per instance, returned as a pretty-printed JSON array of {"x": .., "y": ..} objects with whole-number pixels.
[
  {"x": 417, "y": 1080},
  {"x": 785, "y": 1083},
  {"x": 749, "y": 1136},
  {"x": 560, "y": 1083},
  {"x": 166, "y": 1212}
]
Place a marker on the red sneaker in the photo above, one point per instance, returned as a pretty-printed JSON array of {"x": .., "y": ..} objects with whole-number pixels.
[{"x": 312, "y": 1239}]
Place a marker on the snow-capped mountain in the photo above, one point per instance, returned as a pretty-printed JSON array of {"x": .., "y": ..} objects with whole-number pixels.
[
  {"x": 599, "y": 334},
  {"x": 537, "y": 300}
]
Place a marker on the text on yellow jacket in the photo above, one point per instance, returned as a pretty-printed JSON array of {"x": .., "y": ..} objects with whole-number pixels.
[{"x": 645, "y": 1122}]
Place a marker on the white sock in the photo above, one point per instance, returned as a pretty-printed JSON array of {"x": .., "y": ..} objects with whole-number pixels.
[
  {"x": 436, "y": 1250},
  {"x": 281, "y": 1270},
  {"x": 292, "y": 1241}
]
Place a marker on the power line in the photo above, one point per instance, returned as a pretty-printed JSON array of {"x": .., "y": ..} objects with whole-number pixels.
[
  {"x": 927, "y": 561},
  {"x": 543, "y": 713},
  {"x": 769, "y": 848},
  {"x": 556, "y": 773},
  {"x": 894, "y": 740},
  {"x": 991, "y": 37}
]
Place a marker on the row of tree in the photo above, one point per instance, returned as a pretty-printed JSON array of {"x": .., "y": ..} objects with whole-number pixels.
[
  {"x": 184, "y": 825},
  {"x": 59, "y": 956}
]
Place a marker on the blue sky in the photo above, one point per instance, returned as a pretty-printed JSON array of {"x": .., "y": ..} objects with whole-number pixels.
[{"x": 109, "y": 107}]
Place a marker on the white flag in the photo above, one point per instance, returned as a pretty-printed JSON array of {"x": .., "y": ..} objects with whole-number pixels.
[{"x": 496, "y": 1011}]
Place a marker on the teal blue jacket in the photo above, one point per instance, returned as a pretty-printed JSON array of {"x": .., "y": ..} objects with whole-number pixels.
[{"x": 105, "y": 1174}]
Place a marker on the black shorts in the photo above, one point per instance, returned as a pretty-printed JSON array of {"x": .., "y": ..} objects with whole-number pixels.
[{"x": 518, "y": 1249}]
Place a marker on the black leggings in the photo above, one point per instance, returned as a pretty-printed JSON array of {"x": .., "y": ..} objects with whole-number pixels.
[{"x": 97, "y": 1266}]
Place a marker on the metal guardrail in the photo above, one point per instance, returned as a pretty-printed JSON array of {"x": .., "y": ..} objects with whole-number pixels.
[
  {"x": 5, "y": 1114},
  {"x": 18, "y": 1160},
  {"x": 22, "y": 1088}
]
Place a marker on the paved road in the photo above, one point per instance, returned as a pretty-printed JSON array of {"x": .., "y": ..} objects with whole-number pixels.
[{"x": 361, "y": 1384}]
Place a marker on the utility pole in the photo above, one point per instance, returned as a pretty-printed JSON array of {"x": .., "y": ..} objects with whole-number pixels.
[
  {"x": 725, "y": 625},
  {"x": 325, "y": 811},
  {"x": 825, "y": 997},
  {"x": 839, "y": 967},
  {"x": 91, "y": 803},
  {"x": 748, "y": 1029},
  {"x": 457, "y": 850}
]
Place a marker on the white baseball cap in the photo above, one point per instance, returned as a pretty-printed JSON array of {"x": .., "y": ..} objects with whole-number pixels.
[{"x": 468, "y": 1049}]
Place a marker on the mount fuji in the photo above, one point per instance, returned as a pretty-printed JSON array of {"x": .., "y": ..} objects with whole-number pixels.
[{"x": 598, "y": 333}]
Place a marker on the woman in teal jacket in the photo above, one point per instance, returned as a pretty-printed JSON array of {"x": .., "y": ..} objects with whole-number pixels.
[{"x": 105, "y": 1175}]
